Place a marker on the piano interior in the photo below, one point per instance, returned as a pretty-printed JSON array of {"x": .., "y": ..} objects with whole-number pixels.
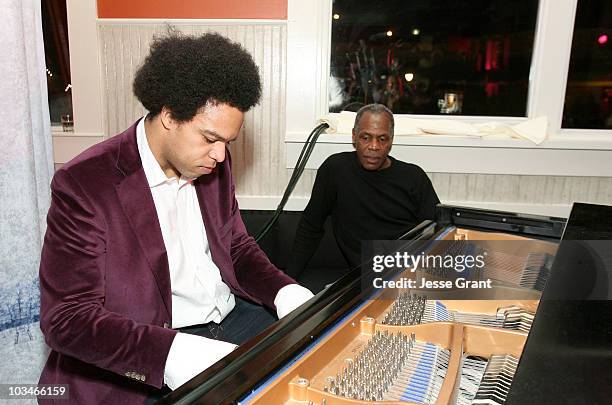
[{"x": 425, "y": 347}]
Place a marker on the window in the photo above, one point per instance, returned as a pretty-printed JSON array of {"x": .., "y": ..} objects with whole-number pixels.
[
  {"x": 421, "y": 57},
  {"x": 55, "y": 32},
  {"x": 588, "y": 95}
]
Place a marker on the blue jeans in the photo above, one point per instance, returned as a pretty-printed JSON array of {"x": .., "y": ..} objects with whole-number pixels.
[{"x": 245, "y": 321}]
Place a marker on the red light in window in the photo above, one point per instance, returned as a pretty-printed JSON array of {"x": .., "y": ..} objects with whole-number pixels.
[{"x": 603, "y": 38}]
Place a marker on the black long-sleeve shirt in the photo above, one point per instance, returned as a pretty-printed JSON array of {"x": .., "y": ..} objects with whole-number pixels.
[{"x": 364, "y": 205}]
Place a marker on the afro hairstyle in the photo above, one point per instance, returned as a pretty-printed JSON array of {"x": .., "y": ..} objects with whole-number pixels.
[{"x": 185, "y": 73}]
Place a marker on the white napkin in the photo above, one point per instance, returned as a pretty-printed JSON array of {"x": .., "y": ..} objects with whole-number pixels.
[
  {"x": 448, "y": 127},
  {"x": 533, "y": 130}
]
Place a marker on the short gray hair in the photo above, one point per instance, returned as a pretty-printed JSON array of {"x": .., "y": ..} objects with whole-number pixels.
[{"x": 374, "y": 109}]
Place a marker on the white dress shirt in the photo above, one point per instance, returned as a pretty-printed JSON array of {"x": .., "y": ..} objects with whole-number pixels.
[{"x": 199, "y": 295}]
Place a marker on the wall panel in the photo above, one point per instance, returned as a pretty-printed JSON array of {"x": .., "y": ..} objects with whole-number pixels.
[
  {"x": 259, "y": 153},
  {"x": 536, "y": 190}
]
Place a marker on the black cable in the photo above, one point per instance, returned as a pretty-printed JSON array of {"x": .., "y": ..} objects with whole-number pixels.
[
  {"x": 297, "y": 172},
  {"x": 295, "y": 176}
]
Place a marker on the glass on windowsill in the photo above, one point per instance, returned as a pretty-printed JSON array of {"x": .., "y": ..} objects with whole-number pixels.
[
  {"x": 67, "y": 123},
  {"x": 451, "y": 103}
]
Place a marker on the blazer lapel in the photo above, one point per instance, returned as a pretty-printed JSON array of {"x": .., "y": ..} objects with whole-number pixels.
[{"x": 137, "y": 203}]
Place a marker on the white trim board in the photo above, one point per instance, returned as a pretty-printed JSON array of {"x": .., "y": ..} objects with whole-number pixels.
[
  {"x": 299, "y": 203},
  {"x": 485, "y": 160},
  {"x": 87, "y": 93}
]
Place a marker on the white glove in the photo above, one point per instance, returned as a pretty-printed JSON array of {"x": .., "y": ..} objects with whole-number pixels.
[
  {"x": 290, "y": 297},
  {"x": 189, "y": 355}
]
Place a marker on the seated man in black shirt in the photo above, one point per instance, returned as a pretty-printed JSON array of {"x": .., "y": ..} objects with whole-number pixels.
[{"x": 369, "y": 194}]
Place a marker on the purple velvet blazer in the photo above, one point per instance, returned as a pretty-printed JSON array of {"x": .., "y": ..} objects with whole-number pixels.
[{"x": 104, "y": 278}]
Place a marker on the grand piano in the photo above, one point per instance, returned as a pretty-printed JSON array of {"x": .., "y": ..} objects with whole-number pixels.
[{"x": 540, "y": 332}]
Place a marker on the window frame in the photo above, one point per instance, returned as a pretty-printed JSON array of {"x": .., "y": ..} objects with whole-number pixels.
[
  {"x": 87, "y": 94},
  {"x": 308, "y": 66}
]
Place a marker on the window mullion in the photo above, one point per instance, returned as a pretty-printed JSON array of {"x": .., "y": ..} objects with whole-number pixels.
[{"x": 550, "y": 63}]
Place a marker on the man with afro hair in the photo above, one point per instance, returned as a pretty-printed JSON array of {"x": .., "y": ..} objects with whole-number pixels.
[{"x": 147, "y": 273}]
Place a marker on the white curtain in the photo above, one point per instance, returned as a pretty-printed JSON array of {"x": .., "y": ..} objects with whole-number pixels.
[{"x": 26, "y": 168}]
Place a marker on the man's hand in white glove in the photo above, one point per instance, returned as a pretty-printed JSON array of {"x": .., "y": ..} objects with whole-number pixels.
[
  {"x": 189, "y": 355},
  {"x": 290, "y": 297}
]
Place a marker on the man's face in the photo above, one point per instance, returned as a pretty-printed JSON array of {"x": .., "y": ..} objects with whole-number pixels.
[
  {"x": 195, "y": 147},
  {"x": 374, "y": 140}
]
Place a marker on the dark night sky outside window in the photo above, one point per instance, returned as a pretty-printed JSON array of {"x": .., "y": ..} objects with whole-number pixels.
[
  {"x": 588, "y": 95},
  {"x": 55, "y": 33},
  {"x": 463, "y": 57}
]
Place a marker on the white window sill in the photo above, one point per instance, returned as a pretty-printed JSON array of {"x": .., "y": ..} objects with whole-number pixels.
[
  {"x": 67, "y": 145},
  {"x": 566, "y": 154},
  {"x": 59, "y": 132},
  {"x": 573, "y": 141}
]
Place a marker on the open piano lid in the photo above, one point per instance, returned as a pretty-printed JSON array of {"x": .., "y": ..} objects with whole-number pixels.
[{"x": 568, "y": 354}]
